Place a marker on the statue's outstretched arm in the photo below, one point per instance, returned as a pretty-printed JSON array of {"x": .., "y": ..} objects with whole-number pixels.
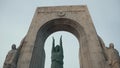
[
  {"x": 61, "y": 47},
  {"x": 53, "y": 45}
]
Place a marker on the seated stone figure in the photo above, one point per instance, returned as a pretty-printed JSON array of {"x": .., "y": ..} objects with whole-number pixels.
[
  {"x": 113, "y": 56},
  {"x": 10, "y": 61},
  {"x": 57, "y": 55}
]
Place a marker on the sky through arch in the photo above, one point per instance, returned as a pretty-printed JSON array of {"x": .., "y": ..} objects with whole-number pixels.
[{"x": 71, "y": 50}]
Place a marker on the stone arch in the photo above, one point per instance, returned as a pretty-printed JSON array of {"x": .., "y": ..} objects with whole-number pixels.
[
  {"x": 59, "y": 24},
  {"x": 74, "y": 19}
]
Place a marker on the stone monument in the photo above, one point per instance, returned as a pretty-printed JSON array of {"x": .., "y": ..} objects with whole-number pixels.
[{"x": 74, "y": 19}]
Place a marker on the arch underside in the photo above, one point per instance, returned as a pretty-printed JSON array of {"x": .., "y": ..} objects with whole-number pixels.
[{"x": 38, "y": 57}]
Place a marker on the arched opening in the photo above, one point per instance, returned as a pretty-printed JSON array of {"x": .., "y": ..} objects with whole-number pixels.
[
  {"x": 70, "y": 48},
  {"x": 46, "y": 21},
  {"x": 60, "y": 24}
]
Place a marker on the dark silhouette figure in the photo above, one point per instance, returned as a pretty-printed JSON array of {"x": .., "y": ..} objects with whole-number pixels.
[{"x": 57, "y": 55}]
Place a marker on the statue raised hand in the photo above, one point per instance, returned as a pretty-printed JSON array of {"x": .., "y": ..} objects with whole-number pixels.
[{"x": 57, "y": 55}]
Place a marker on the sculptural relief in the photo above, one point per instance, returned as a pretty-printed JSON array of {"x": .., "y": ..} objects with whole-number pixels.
[
  {"x": 10, "y": 61},
  {"x": 113, "y": 56}
]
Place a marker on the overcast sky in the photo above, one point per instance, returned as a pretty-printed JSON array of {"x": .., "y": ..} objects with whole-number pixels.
[{"x": 16, "y": 16}]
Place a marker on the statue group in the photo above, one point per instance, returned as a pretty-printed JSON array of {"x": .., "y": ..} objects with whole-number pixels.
[{"x": 57, "y": 55}]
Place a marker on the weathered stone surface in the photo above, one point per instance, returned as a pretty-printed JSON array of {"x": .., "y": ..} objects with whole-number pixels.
[
  {"x": 74, "y": 19},
  {"x": 113, "y": 56},
  {"x": 11, "y": 58}
]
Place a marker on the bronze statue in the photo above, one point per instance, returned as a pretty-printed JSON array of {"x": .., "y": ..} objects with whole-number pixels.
[
  {"x": 113, "y": 56},
  {"x": 10, "y": 61},
  {"x": 57, "y": 55}
]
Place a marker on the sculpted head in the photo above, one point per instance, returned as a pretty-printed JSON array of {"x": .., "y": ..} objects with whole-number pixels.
[
  {"x": 111, "y": 45},
  {"x": 57, "y": 48},
  {"x": 13, "y": 47}
]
